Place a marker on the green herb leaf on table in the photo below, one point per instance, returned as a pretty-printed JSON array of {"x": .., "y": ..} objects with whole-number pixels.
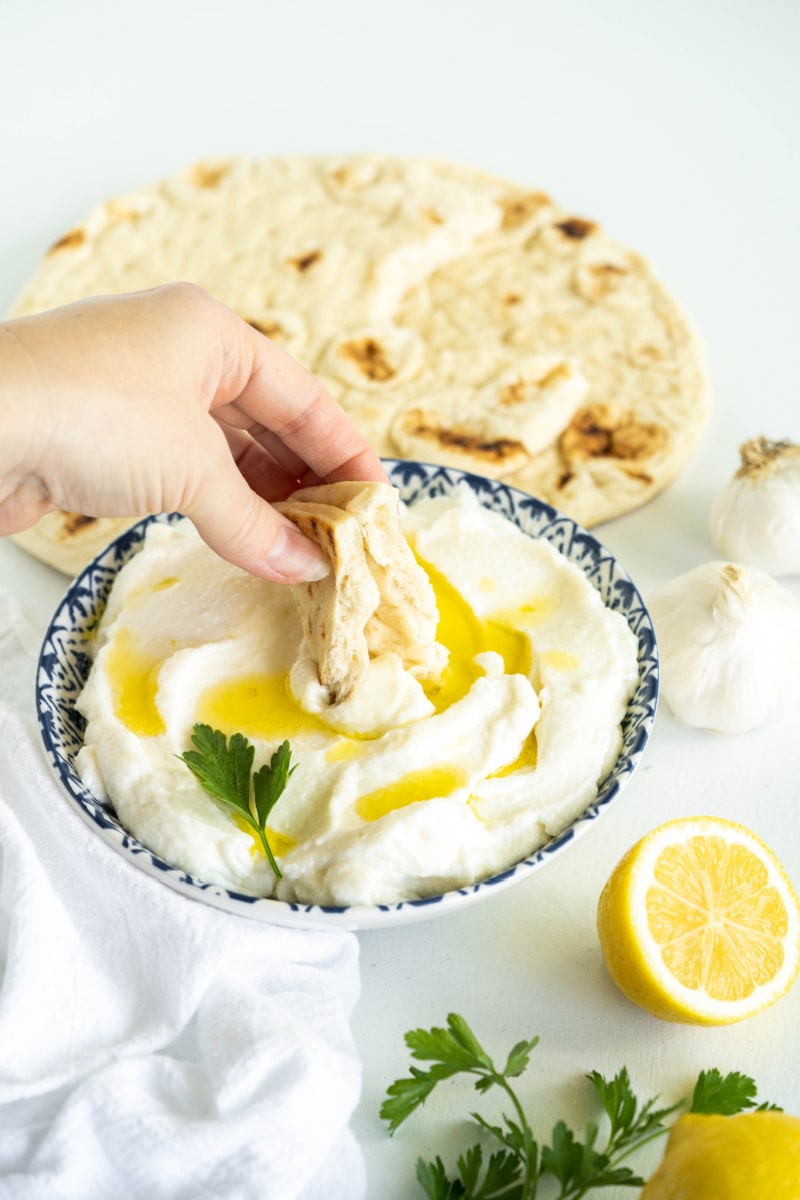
[
  {"x": 726, "y": 1094},
  {"x": 577, "y": 1165},
  {"x": 452, "y": 1050},
  {"x": 224, "y": 769}
]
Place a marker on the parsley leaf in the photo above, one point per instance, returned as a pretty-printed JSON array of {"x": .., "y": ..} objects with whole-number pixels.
[
  {"x": 630, "y": 1123},
  {"x": 577, "y": 1165},
  {"x": 452, "y": 1050},
  {"x": 224, "y": 769},
  {"x": 436, "y": 1185},
  {"x": 269, "y": 783},
  {"x": 727, "y": 1095}
]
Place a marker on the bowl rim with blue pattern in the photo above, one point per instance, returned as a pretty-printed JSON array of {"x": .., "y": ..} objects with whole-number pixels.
[{"x": 64, "y": 664}]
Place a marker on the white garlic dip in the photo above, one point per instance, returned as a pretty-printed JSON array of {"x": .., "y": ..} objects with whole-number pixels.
[{"x": 403, "y": 790}]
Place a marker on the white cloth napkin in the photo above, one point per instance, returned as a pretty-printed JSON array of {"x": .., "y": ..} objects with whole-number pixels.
[{"x": 151, "y": 1047}]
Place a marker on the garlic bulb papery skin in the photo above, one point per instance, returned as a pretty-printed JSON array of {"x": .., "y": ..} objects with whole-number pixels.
[
  {"x": 755, "y": 518},
  {"x": 729, "y": 641}
]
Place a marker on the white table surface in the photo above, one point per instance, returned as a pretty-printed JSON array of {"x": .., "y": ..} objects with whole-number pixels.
[{"x": 674, "y": 124}]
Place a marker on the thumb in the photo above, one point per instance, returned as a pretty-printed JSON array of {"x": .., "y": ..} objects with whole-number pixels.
[{"x": 242, "y": 528}]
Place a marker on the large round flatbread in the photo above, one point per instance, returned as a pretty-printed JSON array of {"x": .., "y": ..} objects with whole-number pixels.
[
  {"x": 68, "y": 540},
  {"x": 458, "y": 317}
]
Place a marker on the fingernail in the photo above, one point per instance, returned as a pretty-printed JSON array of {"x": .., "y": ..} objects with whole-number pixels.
[{"x": 297, "y": 558}]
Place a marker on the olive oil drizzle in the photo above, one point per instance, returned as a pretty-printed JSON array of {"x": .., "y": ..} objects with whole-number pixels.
[
  {"x": 133, "y": 675},
  {"x": 261, "y": 705}
]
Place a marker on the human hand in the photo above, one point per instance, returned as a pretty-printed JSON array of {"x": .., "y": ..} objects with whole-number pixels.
[{"x": 165, "y": 401}]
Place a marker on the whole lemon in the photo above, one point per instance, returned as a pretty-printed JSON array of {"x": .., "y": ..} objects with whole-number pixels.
[{"x": 752, "y": 1156}]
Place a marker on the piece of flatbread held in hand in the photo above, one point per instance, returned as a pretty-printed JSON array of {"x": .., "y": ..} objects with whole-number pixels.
[{"x": 376, "y": 599}]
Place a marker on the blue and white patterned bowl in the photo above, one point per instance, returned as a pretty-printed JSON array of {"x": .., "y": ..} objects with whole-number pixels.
[{"x": 64, "y": 665}]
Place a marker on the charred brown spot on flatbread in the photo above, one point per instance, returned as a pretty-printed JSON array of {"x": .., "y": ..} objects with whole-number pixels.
[
  {"x": 75, "y": 523},
  {"x": 322, "y": 535},
  {"x": 121, "y": 213},
  {"x": 351, "y": 176},
  {"x": 589, "y": 433},
  {"x": 636, "y": 440},
  {"x": 271, "y": 329},
  {"x": 432, "y": 216},
  {"x": 304, "y": 262},
  {"x": 370, "y": 358},
  {"x": 511, "y": 299},
  {"x": 596, "y": 281},
  {"x": 557, "y": 374},
  {"x": 648, "y": 354},
  {"x": 518, "y": 390},
  {"x": 207, "y": 175},
  {"x": 72, "y": 239},
  {"x": 519, "y": 209},
  {"x": 512, "y": 393},
  {"x": 603, "y": 431},
  {"x": 576, "y": 228},
  {"x": 418, "y": 423}
]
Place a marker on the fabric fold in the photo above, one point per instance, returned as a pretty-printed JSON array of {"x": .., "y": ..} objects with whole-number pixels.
[{"x": 151, "y": 1046}]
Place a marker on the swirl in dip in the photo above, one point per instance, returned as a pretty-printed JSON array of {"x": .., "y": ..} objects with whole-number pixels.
[{"x": 404, "y": 789}]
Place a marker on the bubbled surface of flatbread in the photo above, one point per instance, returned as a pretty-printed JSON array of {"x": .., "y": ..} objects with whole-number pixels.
[{"x": 420, "y": 291}]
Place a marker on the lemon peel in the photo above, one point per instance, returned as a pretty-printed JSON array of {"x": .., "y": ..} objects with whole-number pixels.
[{"x": 752, "y": 1156}]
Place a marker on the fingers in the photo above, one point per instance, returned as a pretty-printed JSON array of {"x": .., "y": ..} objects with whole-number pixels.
[
  {"x": 283, "y": 430},
  {"x": 241, "y": 527},
  {"x": 297, "y": 421},
  {"x": 262, "y": 471},
  {"x": 124, "y": 386},
  {"x": 22, "y": 507}
]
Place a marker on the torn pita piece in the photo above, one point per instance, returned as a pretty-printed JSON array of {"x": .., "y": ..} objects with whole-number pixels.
[{"x": 376, "y": 600}]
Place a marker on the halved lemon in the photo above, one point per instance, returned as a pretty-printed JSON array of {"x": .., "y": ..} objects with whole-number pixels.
[{"x": 699, "y": 923}]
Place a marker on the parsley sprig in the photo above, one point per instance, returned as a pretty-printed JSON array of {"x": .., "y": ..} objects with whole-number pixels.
[
  {"x": 224, "y": 768},
  {"x": 514, "y": 1171}
]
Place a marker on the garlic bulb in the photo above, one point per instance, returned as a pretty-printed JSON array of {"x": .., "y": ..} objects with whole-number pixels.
[
  {"x": 755, "y": 518},
  {"x": 729, "y": 638}
]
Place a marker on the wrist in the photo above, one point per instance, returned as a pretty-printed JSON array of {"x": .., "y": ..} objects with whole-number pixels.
[{"x": 21, "y": 402}]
